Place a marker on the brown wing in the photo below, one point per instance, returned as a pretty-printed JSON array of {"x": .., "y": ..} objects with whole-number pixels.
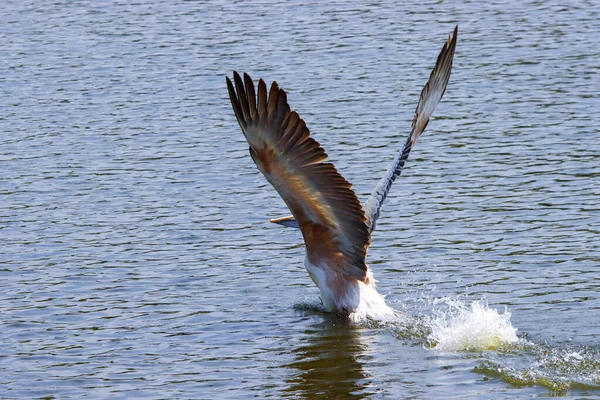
[{"x": 327, "y": 210}]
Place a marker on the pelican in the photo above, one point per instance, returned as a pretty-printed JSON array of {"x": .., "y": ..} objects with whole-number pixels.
[{"x": 335, "y": 227}]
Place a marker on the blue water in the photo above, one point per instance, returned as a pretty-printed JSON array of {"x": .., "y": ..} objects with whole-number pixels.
[{"x": 136, "y": 257}]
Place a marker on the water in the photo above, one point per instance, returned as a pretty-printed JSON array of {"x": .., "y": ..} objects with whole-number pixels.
[{"x": 137, "y": 259}]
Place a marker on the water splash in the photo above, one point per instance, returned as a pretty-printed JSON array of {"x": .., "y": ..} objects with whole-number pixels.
[{"x": 459, "y": 326}]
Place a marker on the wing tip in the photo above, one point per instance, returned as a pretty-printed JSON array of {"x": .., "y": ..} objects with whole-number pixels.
[
  {"x": 439, "y": 78},
  {"x": 452, "y": 40},
  {"x": 450, "y": 44}
]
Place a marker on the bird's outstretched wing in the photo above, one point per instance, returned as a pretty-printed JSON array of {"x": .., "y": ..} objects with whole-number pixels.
[
  {"x": 430, "y": 97},
  {"x": 321, "y": 200}
]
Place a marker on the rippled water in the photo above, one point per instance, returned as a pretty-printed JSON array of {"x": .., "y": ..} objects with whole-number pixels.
[{"x": 137, "y": 259}]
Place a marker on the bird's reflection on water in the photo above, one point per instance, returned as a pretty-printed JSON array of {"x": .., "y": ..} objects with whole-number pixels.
[{"x": 329, "y": 362}]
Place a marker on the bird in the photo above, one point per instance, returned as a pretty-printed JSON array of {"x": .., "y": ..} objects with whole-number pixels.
[{"x": 335, "y": 227}]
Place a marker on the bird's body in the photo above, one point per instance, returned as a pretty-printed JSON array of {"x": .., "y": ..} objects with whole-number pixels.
[
  {"x": 335, "y": 227},
  {"x": 347, "y": 295}
]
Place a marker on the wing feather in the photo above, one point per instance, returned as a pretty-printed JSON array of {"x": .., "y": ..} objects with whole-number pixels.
[{"x": 321, "y": 200}]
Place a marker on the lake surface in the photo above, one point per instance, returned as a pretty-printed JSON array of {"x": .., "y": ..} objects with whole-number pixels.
[{"x": 137, "y": 260}]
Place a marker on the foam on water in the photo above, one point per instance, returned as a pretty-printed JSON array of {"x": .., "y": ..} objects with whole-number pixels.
[
  {"x": 558, "y": 369},
  {"x": 459, "y": 326}
]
